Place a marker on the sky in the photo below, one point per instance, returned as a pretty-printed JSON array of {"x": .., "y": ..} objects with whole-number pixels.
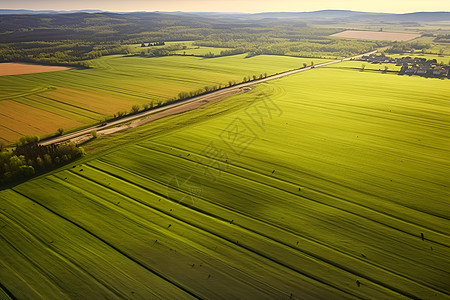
[{"x": 391, "y": 6}]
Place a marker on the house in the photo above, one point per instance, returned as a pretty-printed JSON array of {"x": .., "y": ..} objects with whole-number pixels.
[
  {"x": 422, "y": 71},
  {"x": 411, "y": 71}
]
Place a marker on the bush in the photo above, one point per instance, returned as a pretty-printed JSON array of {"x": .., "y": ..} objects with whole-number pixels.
[{"x": 134, "y": 109}]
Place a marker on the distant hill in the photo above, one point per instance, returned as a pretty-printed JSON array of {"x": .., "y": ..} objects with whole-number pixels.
[
  {"x": 94, "y": 25},
  {"x": 343, "y": 15},
  {"x": 39, "y": 12},
  {"x": 420, "y": 17},
  {"x": 322, "y": 14}
]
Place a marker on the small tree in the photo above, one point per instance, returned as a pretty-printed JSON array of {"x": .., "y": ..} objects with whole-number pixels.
[
  {"x": 363, "y": 66},
  {"x": 385, "y": 69},
  {"x": 60, "y": 131},
  {"x": 40, "y": 163},
  {"x": 304, "y": 65},
  {"x": 94, "y": 134},
  {"x": 48, "y": 160},
  {"x": 134, "y": 109}
]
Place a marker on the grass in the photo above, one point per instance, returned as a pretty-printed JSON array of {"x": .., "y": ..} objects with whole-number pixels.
[
  {"x": 318, "y": 185},
  {"x": 115, "y": 84}
]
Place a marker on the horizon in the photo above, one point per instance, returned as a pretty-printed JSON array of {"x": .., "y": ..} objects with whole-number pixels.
[
  {"x": 232, "y": 6},
  {"x": 93, "y": 10}
]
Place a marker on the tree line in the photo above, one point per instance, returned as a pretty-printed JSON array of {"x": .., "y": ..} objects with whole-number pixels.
[
  {"x": 72, "y": 53},
  {"x": 186, "y": 95}
]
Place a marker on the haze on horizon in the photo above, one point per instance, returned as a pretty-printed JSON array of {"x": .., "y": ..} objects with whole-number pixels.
[{"x": 248, "y": 6}]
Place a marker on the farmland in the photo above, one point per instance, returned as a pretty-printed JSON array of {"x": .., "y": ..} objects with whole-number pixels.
[
  {"x": 18, "y": 68},
  {"x": 376, "y": 35},
  {"x": 327, "y": 184},
  {"x": 78, "y": 98}
]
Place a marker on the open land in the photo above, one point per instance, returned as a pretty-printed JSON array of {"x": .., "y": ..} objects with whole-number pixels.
[
  {"x": 376, "y": 35},
  {"x": 193, "y": 204},
  {"x": 328, "y": 183},
  {"x": 21, "y": 68},
  {"x": 77, "y": 98}
]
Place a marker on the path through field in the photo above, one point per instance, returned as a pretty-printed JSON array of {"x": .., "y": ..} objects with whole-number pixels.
[{"x": 179, "y": 107}]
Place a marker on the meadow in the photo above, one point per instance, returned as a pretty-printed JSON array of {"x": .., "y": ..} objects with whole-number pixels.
[
  {"x": 41, "y": 103},
  {"x": 328, "y": 184}
]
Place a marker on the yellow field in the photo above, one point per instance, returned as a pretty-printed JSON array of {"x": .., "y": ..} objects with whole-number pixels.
[
  {"x": 20, "y": 119},
  {"x": 114, "y": 84},
  {"x": 91, "y": 101},
  {"x": 21, "y": 68}
]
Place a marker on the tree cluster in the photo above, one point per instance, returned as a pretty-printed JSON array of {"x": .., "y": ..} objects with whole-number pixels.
[
  {"x": 443, "y": 38},
  {"x": 405, "y": 47},
  {"x": 59, "y": 53},
  {"x": 153, "y": 44},
  {"x": 29, "y": 158}
]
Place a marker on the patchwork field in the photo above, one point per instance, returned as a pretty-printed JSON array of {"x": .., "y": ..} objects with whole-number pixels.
[
  {"x": 376, "y": 35},
  {"x": 76, "y": 98},
  {"x": 328, "y": 184}
]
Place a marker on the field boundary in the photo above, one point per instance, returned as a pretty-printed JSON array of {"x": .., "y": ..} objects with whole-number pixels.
[{"x": 222, "y": 93}]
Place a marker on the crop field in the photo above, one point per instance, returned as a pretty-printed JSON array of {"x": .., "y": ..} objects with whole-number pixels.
[
  {"x": 368, "y": 67},
  {"x": 328, "y": 184},
  {"x": 190, "y": 48},
  {"x": 76, "y": 98},
  {"x": 376, "y": 35},
  {"x": 201, "y": 51},
  {"x": 20, "y": 68}
]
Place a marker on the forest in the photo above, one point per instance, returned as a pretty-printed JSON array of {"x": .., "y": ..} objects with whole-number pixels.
[{"x": 70, "y": 39}]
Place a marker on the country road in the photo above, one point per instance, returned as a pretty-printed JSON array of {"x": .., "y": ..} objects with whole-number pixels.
[{"x": 178, "y": 106}]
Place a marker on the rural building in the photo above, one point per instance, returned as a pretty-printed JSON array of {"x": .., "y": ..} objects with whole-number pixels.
[{"x": 412, "y": 66}]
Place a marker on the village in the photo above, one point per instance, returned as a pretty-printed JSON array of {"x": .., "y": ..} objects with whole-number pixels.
[{"x": 412, "y": 66}]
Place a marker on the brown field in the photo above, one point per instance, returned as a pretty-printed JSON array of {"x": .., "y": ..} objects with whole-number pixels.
[
  {"x": 376, "y": 35},
  {"x": 17, "y": 119},
  {"x": 21, "y": 68}
]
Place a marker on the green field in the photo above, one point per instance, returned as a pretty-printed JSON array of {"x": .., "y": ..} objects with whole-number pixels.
[
  {"x": 190, "y": 48},
  {"x": 77, "y": 98},
  {"x": 315, "y": 186}
]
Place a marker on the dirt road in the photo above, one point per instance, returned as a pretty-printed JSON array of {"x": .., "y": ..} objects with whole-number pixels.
[{"x": 176, "y": 108}]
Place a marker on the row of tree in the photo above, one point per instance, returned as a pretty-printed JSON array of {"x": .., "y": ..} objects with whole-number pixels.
[
  {"x": 153, "y": 44},
  {"x": 306, "y": 47},
  {"x": 405, "y": 47},
  {"x": 186, "y": 95},
  {"x": 29, "y": 158}
]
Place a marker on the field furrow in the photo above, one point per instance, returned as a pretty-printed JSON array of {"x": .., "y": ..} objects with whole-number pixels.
[
  {"x": 328, "y": 184},
  {"x": 311, "y": 245}
]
